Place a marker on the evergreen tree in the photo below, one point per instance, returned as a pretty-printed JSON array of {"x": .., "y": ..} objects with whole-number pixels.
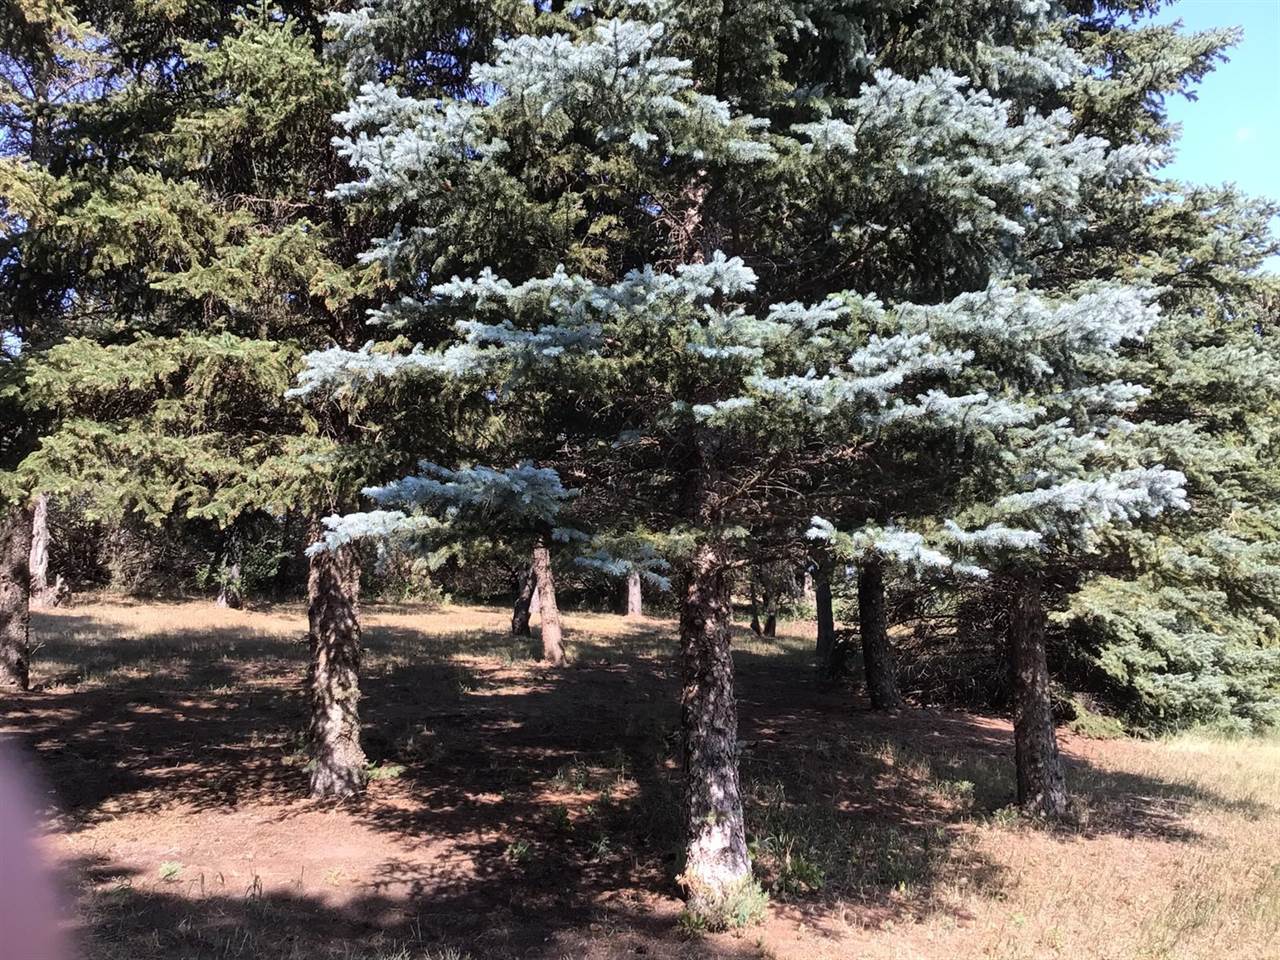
[
  {"x": 49, "y": 64},
  {"x": 1165, "y": 645},
  {"x": 213, "y": 258},
  {"x": 602, "y": 190},
  {"x": 1181, "y": 626}
]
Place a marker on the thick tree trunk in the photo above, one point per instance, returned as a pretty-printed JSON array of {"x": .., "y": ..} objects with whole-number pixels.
[
  {"x": 877, "y": 655},
  {"x": 333, "y": 589},
  {"x": 635, "y": 597},
  {"x": 40, "y": 546},
  {"x": 1042, "y": 784},
  {"x": 231, "y": 594},
  {"x": 15, "y": 596},
  {"x": 523, "y": 607},
  {"x": 717, "y": 864},
  {"x": 549, "y": 613},
  {"x": 826, "y": 619}
]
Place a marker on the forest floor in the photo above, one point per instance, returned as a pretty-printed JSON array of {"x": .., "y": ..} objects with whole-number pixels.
[{"x": 519, "y": 811}]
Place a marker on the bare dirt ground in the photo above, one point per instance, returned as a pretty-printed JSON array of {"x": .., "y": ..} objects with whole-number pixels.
[{"x": 524, "y": 812}]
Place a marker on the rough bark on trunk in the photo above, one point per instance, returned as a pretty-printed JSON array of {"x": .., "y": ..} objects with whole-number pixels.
[
  {"x": 333, "y": 589},
  {"x": 826, "y": 619},
  {"x": 523, "y": 607},
  {"x": 1042, "y": 783},
  {"x": 549, "y": 613},
  {"x": 877, "y": 655},
  {"x": 15, "y": 596},
  {"x": 717, "y": 863},
  {"x": 40, "y": 545},
  {"x": 635, "y": 597},
  {"x": 43, "y": 593}
]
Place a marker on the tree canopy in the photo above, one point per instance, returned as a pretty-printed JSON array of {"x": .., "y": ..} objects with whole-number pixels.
[{"x": 690, "y": 291}]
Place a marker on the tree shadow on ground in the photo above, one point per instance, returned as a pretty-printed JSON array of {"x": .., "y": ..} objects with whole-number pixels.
[
  {"x": 126, "y": 916},
  {"x": 522, "y": 809}
]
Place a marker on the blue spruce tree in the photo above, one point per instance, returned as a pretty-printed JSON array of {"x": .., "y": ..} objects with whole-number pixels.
[{"x": 675, "y": 247}]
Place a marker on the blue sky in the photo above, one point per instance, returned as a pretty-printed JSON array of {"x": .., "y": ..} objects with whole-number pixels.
[{"x": 1231, "y": 133}]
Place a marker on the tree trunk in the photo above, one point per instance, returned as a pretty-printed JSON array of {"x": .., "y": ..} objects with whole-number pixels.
[
  {"x": 770, "y": 615},
  {"x": 333, "y": 589},
  {"x": 231, "y": 591},
  {"x": 43, "y": 593},
  {"x": 523, "y": 607},
  {"x": 535, "y": 602},
  {"x": 877, "y": 656},
  {"x": 230, "y": 594},
  {"x": 549, "y": 613},
  {"x": 635, "y": 597},
  {"x": 15, "y": 596},
  {"x": 717, "y": 864},
  {"x": 40, "y": 546},
  {"x": 826, "y": 619},
  {"x": 755, "y": 608},
  {"x": 1042, "y": 784}
]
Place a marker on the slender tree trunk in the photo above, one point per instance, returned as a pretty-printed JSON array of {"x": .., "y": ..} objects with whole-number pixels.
[
  {"x": 770, "y": 616},
  {"x": 826, "y": 619},
  {"x": 1042, "y": 783},
  {"x": 15, "y": 596},
  {"x": 877, "y": 655},
  {"x": 523, "y": 607},
  {"x": 552, "y": 640},
  {"x": 755, "y": 608},
  {"x": 40, "y": 545},
  {"x": 231, "y": 591},
  {"x": 635, "y": 597},
  {"x": 716, "y": 860},
  {"x": 333, "y": 589}
]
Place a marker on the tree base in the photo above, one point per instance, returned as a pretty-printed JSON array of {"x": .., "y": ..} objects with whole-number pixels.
[
  {"x": 712, "y": 908},
  {"x": 58, "y": 594},
  {"x": 339, "y": 776},
  {"x": 1054, "y": 806}
]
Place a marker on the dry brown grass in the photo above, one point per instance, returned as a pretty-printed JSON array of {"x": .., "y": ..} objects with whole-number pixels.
[
  {"x": 1177, "y": 856},
  {"x": 531, "y": 812}
]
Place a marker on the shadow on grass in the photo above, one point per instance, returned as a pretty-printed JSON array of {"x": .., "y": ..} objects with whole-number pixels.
[
  {"x": 124, "y": 916},
  {"x": 527, "y": 804}
]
